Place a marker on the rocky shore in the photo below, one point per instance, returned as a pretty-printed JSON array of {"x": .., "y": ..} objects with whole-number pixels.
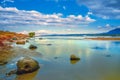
[{"x": 6, "y": 39}]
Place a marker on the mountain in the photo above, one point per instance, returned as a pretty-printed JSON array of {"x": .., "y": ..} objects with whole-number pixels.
[{"x": 114, "y": 31}]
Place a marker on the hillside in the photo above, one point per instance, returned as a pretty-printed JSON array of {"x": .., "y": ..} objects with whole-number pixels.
[{"x": 114, "y": 31}]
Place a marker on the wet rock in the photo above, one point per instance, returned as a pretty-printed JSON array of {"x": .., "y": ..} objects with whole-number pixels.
[
  {"x": 98, "y": 48},
  {"x": 14, "y": 38},
  {"x": 40, "y": 38},
  {"x": 49, "y": 44},
  {"x": 11, "y": 72},
  {"x": 108, "y": 55},
  {"x": 55, "y": 57},
  {"x": 20, "y": 42},
  {"x": 73, "y": 57},
  {"x": 1, "y": 43},
  {"x": 27, "y": 65},
  {"x": 32, "y": 47},
  {"x": 27, "y": 40},
  {"x": 3, "y": 62}
]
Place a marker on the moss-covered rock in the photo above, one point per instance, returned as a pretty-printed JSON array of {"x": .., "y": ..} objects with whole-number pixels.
[{"x": 27, "y": 65}]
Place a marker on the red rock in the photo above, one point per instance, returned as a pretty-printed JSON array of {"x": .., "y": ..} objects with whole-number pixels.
[{"x": 1, "y": 43}]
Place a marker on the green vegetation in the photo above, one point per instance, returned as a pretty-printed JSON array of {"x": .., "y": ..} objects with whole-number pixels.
[{"x": 31, "y": 34}]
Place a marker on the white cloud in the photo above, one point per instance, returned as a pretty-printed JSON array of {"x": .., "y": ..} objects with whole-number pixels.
[
  {"x": 107, "y": 25},
  {"x": 4, "y": 2},
  {"x": 103, "y": 8},
  {"x": 11, "y": 16}
]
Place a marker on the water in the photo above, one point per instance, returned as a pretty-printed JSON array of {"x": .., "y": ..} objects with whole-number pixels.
[{"x": 99, "y": 60}]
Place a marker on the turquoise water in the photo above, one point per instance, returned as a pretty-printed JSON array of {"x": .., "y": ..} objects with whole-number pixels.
[{"x": 99, "y": 60}]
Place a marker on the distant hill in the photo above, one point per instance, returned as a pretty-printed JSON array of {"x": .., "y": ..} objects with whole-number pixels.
[{"x": 114, "y": 31}]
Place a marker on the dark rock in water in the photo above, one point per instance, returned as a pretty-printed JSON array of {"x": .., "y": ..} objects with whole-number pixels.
[
  {"x": 55, "y": 57},
  {"x": 20, "y": 42},
  {"x": 49, "y": 44},
  {"x": 27, "y": 40},
  {"x": 27, "y": 65},
  {"x": 73, "y": 57},
  {"x": 98, "y": 48},
  {"x": 108, "y": 55},
  {"x": 40, "y": 38},
  {"x": 32, "y": 47},
  {"x": 11, "y": 72},
  {"x": 3, "y": 62}
]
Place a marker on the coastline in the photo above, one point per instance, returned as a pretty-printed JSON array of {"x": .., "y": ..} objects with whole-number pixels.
[{"x": 103, "y": 38}]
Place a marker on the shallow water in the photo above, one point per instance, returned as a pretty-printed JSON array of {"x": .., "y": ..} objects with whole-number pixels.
[{"x": 99, "y": 60}]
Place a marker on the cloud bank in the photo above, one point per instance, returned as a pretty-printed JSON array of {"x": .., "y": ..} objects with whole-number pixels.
[{"x": 11, "y": 16}]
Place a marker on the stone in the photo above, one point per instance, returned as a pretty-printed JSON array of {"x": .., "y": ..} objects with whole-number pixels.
[
  {"x": 3, "y": 62},
  {"x": 73, "y": 57},
  {"x": 27, "y": 65},
  {"x": 11, "y": 72},
  {"x": 20, "y": 42},
  {"x": 32, "y": 47},
  {"x": 108, "y": 55}
]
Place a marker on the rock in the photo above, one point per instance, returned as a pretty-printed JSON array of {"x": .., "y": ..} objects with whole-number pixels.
[
  {"x": 27, "y": 40},
  {"x": 14, "y": 38},
  {"x": 20, "y": 42},
  {"x": 108, "y": 55},
  {"x": 73, "y": 57},
  {"x": 98, "y": 48},
  {"x": 32, "y": 47},
  {"x": 1, "y": 43},
  {"x": 3, "y": 62},
  {"x": 11, "y": 72},
  {"x": 55, "y": 57},
  {"x": 49, "y": 44},
  {"x": 40, "y": 38},
  {"x": 27, "y": 65}
]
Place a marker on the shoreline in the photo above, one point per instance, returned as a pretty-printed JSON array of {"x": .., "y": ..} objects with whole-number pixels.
[{"x": 103, "y": 38}]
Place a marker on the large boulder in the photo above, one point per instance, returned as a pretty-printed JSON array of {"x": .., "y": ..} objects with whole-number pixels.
[{"x": 27, "y": 65}]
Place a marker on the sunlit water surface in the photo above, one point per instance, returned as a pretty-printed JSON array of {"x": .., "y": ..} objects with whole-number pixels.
[{"x": 99, "y": 60}]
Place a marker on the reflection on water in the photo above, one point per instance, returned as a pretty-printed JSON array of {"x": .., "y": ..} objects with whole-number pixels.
[
  {"x": 29, "y": 76},
  {"x": 55, "y": 62},
  {"x": 74, "y": 61}
]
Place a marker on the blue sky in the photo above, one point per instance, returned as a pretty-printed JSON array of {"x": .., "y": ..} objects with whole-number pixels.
[{"x": 59, "y": 16}]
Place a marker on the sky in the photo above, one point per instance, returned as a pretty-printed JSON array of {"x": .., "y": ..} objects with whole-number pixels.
[{"x": 59, "y": 16}]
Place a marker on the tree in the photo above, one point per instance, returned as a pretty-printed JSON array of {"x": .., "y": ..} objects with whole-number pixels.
[{"x": 32, "y": 34}]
